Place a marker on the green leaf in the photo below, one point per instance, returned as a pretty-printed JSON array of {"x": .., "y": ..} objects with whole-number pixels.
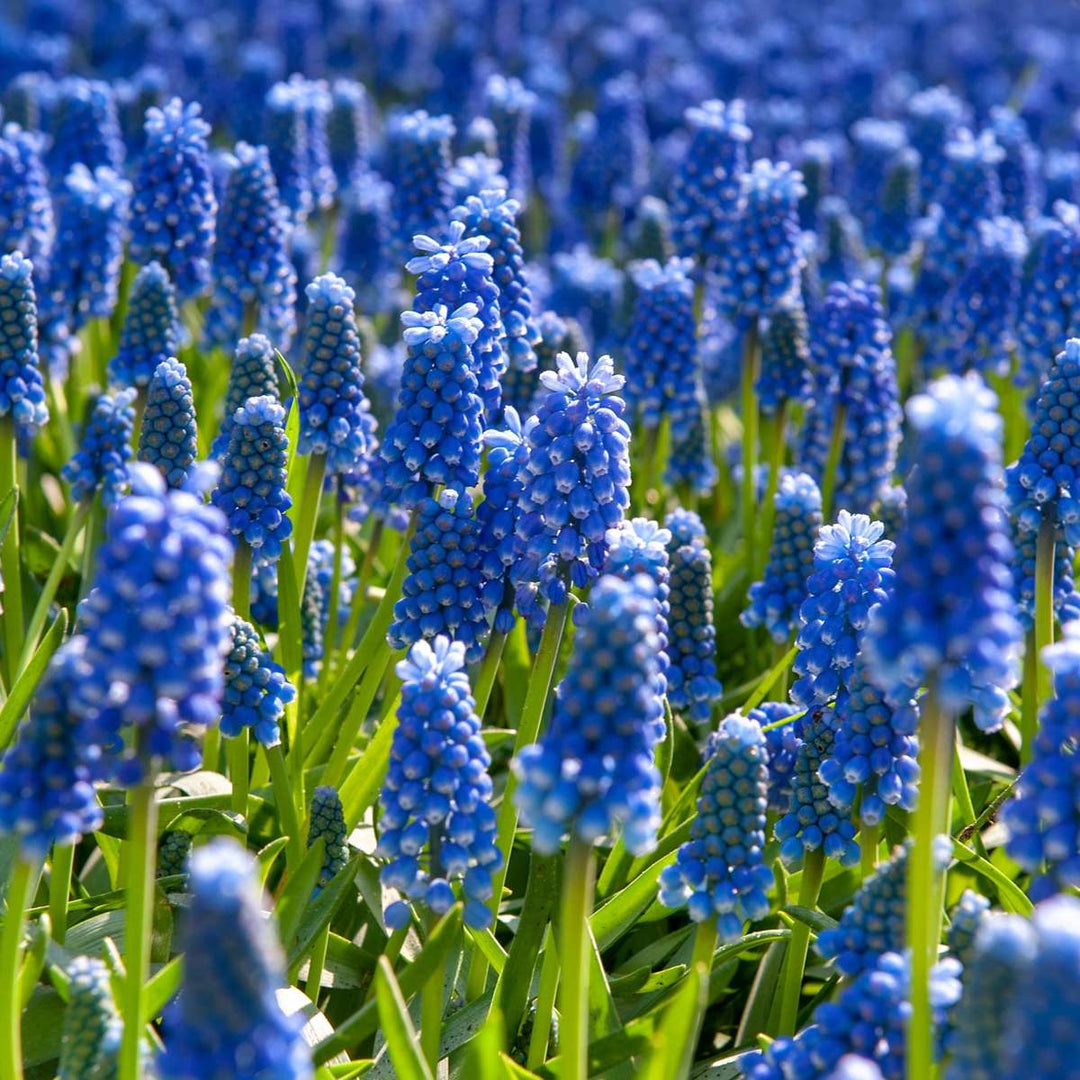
[
  {"x": 26, "y": 683},
  {"x": 296, "y": 895},
  {"x": 644, "y": 981},
  {"x": 486, "y": 1047},
  {"x": 322, "y": 909},
  {"x": 208, "y": 815},
  {"x": 8, "y": 505},
  {"x": 41, "y": 1022},
  {"x": 290, "y": 375},
  {"x": 619, "y": 914},
  {"x": 493, "y": 952},
  {"x": 365, "y": 1020},
  {"x": 1012, "y": 896},
  {"x": 289, "y": 630},
  {"x": 768, "y": 680},
  {"x": 397, "y": 1027},
  {"x": 34, "y": 960},
  {"x": 361, "y": 787},
  {"x": 268, "y": 856},
  {"x": 816, "y": 920},
  {"x": 680, "y": 1023},
  {"x": 514, "y": 1070},
  {"x": 163, "y": 985}
]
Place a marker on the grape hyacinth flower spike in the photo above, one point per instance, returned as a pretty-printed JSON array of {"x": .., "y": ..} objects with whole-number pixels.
[
  {"x": 256, "y": 689},
  {"x": 151, "y": 330},
  {"x": 253, "y": 374},
  {"x": 90, "y": 1036},
  {"x": 328, "y": 824},
  {"x": 418, "y": 161},
  {"x": 22, "y": 389},
  {"x": 168, "y": 438},
  {"x": 101, "y": 461},
  {"x": 436, "y": 798}
]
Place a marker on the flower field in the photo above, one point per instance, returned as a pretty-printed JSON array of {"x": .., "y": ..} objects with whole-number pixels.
[{"x": 537, "y": 540}]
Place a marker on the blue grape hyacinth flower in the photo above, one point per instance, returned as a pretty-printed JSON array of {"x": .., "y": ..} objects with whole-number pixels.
[
  {"x": 26, "y": 207},
  {"x": 785, "y": 357},
  {"x": 168, "y": 437},
  {"x": 363, "y": 255},
  {"x": 92, "y": 1030},
  {"x": 720, "y": 873},
  {"x": 417, "y": 164},
  {"x": 951, "y": 617},
  {"x": 228, "y": 1020},
  {"x": 934, "y": 118},
  {"x": 1020, "y": 167},
  {"x": 348, "y": 129},
  {"x": 150, "y": 332},
  {"x": 437, "y": 824},
  {"x": 103, "y": 455},
  {"x": 510, "y": 105},
  {"x": 85, "y": 127},
  {"x": 253, "y": 374},
  {"x": 251, "y": 490},
  {"x": 594, "y": 770},
  {"x": 885, "y": 185},
  {"x": 22, "y": 389},
  {"x": 174, "y": 208},
  {"x": 784, "y": 740},
  {"x": 327, "y": 823},
  {"x": 256, "y": 689}
]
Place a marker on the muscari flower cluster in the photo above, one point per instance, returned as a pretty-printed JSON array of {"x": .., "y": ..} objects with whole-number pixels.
[
  {"x": 690, "y": 461},
  {"x": 362, "y": 254},
  {"x": 473, "y": 174},
  {"x": 331, "y": 396},
  {"x": 934, "y": 117},
  {"x": 312, "y": 623},
  {"x": 493, "y": 215},
  {"x": 26, "y": 209},
  {"x": 510, "y": 106},
  {"x": 836, "y": 251},
  {"x": 692, "y": 683},
  {"x": 719, "y": 873},
  {"x": 103, "y": 455},
  {"x": 873, "y": 924},
  {"x": 92, "y": 1030},
  {"x": 705, "y": 190},
  {"x": 174, "y": 847},
  {"x": 812, "y": 822},
  {"x": 965, "y": 921},
  {"x": 435, "y": 438},
  {"x": 783, "y": 742},
  {"x": 168, "y": 438},
  {"x": 227, "y": 1021},
  {"x": 950, "y": 618},
  {"x": 575, "y": 480},
  {"x": 256, "y": 688},
  {"x": 85, "y": 127},
  {"x": 862, "y": 1035},
  {"x": 417, "y": 163},
  {"x": 150, "y": 332},
  {"x": 776, "y": 599},
  {"x": 173, "y": 209},
  {"x": 441, "y": 594},
  {"x": 156, "y": 623},
  {"x": 436, "y": 797},
  {"x": 662, "y": 372},
  {"x": 328, "y": 824},
  {"x": 252, "y": 270},
  {"x": 348, "y": 129},
  {"x": 22, "y": 390},
  {"x": 1025, "y": 553},
  {"x": 457, "y": 272},
  {"x": 885, "y": 186},
  {"x": 1020, "y": 995},
  {"x": 46, "y": 775},
  {"x": 785, "y": 357},
  {"x": 1018, "y": 171},
  {"x": 758, "y": 266},
  {"x": 287, "y": 141},
  {"x": 852, "y": 574},
  {"x": 1042, "y": 819},
  {"x": 588, "y": 289},
  {"x": 594, "y": 769},
  {"x": 253, "y": 374}
]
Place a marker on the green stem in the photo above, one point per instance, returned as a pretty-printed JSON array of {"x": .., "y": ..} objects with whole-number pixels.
[
  {"x": 431, "y": 1010},
  {"x": 1029, "y": 698},
  {"x": 333, "y": 636},
  {"x": 832, "y": 462},
  {"x": 142, "y": 839},
  {"x": 305, "y": 519},
  {"x": 241, "y": 580},
  {"x": 545, "y": 1005},
  {"x": 239, "y": 771},
  {"x": 749, "y": 439},
  {"x": 868, "y": 849},
  {"x": 10, "y": 556},
  {"x": 1045, "y": 546},
  {"x": 63, "y": 859},
  {"x": 574, "y": 956},
  {"x": 485, "y": 680},
  {"x": 52, "y": 582},
  {"x": 791, "y": 992},
  {"x": 936, "y": 749},
  {"x": 768, "y": 509},
  {"x": 344, "y": 738},
  {"x": 20, "y": 888},
  {"x": 359, "y": 598},
  {"x": 704, "y": 946},
  {"x": 288, "y": 818},
  {"x": 316, "y": 964}
]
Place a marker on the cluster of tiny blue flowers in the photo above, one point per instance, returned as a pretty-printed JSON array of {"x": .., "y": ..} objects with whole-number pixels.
[
  {"x": 253, "y": 374},
  {"x": 950, "y": 617},
  {"x": 331, "y": 395},
  {"x": 759, "y": 263},
  {"x": 252, "y": 270},
  {"x": 813, "y": 822},
  {"x": 348, "y": 129},
  {"x": 965, "y": 920},
  {"x": 785, "y": 357},
  {"x": 328, "y": 824},
  {"x": 157, "y": 625},
  {"x": 174, "y": 847},
  {"x": 1025, "y": 553},
  {"x": 85, "y": 127},
  {"x": 287, "y": 142},
  {"x": 227, "y": 1021},
  {"x": 473, "y": 174},
  {"x": 588, "y": 289},
  {"x": 435, "y": 438},
  {"x": 103, "y": 455},
  {"x": 874, "y": 756},
  {"x": 885, "y": 185},
  {"x": 510, "y": 106},
  {"x": 46, "y": 790},
  {"x": 92, "y": 1032},
  {"x": 693, "y": 687},
  {"x": 251, "y": 490},
  {"x": 575, "y": 481},
  {"x": 457, "y": 272},
  {"x": 22, "y": 391},
  {"x": 874, "y": 922},
  {"x": 783, "y": 743},
  {"x": 594, "y": 769},
  {"x": 441, "y": 594},
  {"x": 417, "y": 162},
  {"x": 493, "y": 215},
  {"x": 690, "y": 461},
  {"x": 934, "y": 117},
  {"x": 312, "y": 622},
  {"x": 174, "y": 206},
  {"x": 26, "y": 208},
  {"x": 168, "y": 437},
  {"x": 1018, "y": 170},
  {"x": 776, "y": 599},
  {"x": 256, "y": 689},
  {"x": 662, "y": 373},
  {"x": 436, "y": 796},
  {"x": 705, "y": 190},
  {"x": 363, "y": 250},
  {"x": 719, "y": 872},
  {"x": 151, "y": 329}
]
